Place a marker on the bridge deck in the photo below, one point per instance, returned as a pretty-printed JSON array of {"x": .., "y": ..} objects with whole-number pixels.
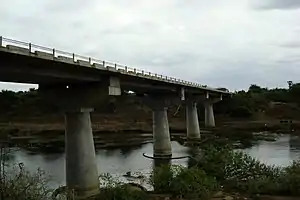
[{"x": 29, "y": 63}]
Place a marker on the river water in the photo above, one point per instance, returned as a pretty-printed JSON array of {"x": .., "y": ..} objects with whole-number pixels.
[{"x": 280, "y": 152}]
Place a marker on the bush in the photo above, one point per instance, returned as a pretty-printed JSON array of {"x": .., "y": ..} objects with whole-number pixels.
[
  {"x": 121, "y": 193},
  {"x": 237, "y": 171},
  {"x": 161, "y": 178},
  {"x": 185, "y": 182},
  {"x": 214, "y": 160},
  {"x": 114, "y": 189},
  {"x": 19, "y": 184},
  {"x": 246, "y": 174},
  {"x": 290, "y": 179},
  {"x": 193, "y": 183}
]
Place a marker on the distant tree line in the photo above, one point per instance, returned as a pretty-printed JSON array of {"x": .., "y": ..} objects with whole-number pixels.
[{"x": 241, "y": 104}]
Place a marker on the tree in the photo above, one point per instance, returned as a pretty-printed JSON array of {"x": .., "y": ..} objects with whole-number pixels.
[{"x": 295, "y": 92}]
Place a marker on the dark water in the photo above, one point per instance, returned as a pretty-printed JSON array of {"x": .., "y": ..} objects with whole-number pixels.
[{"x": 280, "y": 152}]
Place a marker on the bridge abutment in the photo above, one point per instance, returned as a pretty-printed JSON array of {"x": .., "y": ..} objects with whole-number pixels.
[{"x": 81, "y": 166}]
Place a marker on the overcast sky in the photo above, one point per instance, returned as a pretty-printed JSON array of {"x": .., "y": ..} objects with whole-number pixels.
[{"x": 228, "y": 43}]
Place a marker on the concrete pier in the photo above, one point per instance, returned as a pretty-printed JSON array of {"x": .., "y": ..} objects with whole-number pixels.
[
  {"x": 192, "y": 123},
  {"x": 81, "y": 167},
  {"x": 209, "y": 114},
  {"x": 161, "y": 133}
]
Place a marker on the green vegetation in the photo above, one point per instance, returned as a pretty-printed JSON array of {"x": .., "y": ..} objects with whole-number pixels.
[
  {"x": 189, "y": 183},
  {"x": 245, "y": 104},
  {"x": 16, "y": 183},
  {"x": 218, "y": 168},
  {"x": 115, "y": 189},
  {"x": 242, "y": 104},
  {"x": 234, "y": 171}
]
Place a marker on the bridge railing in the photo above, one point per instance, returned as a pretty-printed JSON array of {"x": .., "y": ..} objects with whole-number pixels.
[{"x": 54, "y": 53}]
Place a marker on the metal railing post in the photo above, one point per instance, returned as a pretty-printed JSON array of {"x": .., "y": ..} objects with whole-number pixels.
[
  {"x": 90, "y": 60},
  {"x": 103, "y": 63},
  {"x": 29, "y": 48},
  {"x": 1, "y": 39},
  {"x": 53, "y": 52},
  {"x": 115, "y": 65},
  {"x": 73, "y": 56}
]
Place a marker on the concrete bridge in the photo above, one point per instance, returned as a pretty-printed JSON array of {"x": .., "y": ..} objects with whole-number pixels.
[{"x": 79, "y": 82}]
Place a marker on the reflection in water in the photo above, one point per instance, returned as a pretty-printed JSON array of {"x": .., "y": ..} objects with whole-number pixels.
[
  {"x": 280, "y": 152},
  {"x": 294, "y": 152},
  {"x": 120, "y": 161},
  {"x": 126, "y": 151}
]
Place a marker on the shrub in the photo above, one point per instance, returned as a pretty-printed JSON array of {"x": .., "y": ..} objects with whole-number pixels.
[
  {"x": 114, "y": 189},
  {"x": 121, "y": 193},
  {"x": 193, "y": 183},
  {"x": 240, "y": 172},
  {"x": 290, "y": 179},
  {"x": 246, "y": 174},
  {"x": 19, "y": 184},
  {"x": 186, "y": 182},
  {"x": 214, "y": 160},
  {"x": 161, "y": 178}
]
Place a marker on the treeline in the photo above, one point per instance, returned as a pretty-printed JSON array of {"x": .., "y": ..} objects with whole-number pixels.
[
  {"x": 34, "y": 103},
  {"x": 242, "y": 104}
]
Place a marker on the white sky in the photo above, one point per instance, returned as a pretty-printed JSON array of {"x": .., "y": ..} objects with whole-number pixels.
[{"x": 228, "y": 43}]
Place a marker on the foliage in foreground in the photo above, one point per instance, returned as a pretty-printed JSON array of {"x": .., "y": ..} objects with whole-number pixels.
[
  {"x": 19, "y": 184},
  {"x": 185, "y": 182},
  {"x": 237, "y": 171},
  {"x": 114, "y": 189},
  {"x": 218, "y": 167}
]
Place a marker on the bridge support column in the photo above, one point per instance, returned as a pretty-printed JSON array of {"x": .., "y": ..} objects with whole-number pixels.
[
  {"x": 81, "y": 167},
  {"x": 192, "y": 123},
  {"x": 161, "y": 133},
  {"x": 209, "y": 114}
]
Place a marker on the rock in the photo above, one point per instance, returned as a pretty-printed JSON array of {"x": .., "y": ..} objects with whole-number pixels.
[
  {"x": 135, "y": 187},
  {"x": 228, "y": 198},
  {"x": 218, "y": 194}
]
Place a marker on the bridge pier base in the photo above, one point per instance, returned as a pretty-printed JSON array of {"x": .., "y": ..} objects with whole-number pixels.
[
  {"x": 161, "y": 133},
  {"x": 81, "y": 167},
  {"x": 192, "y": 123},
  {"x": 209, "y": 114}
]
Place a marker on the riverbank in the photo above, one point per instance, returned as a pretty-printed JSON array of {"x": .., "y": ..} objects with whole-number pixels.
[
  {"x": 45, "y": 128},
  {"x": 37, "y": 135}
]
